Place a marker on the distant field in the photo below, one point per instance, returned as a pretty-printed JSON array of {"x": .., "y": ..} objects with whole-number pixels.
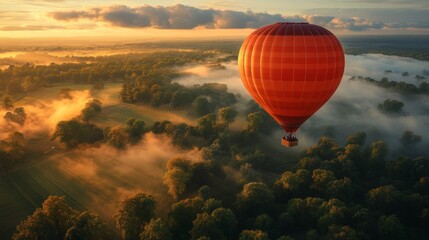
[
  {"x": 114, "y": 112},
  {"x": 118, "y": 115},
  {"x": 109, "y": 93}
]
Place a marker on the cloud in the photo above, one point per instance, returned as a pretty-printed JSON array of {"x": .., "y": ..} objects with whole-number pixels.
[
  {"x": 319, "y": 20},
  {"x": 391, "y": 17},
  {"x": 354, "y": 24},
  {"x": 173, "y": 17},
  {"x": 186, "y": 17}
]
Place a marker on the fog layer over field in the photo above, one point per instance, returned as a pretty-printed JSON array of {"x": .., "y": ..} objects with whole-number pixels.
[
  {"x": 106, "y": 173},
  {"x": 43, "y": 116},
  {"x": 354, "y": 105},
  {"x": 110, "y": 174}
]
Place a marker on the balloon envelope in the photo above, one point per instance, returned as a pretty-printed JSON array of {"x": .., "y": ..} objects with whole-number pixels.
[{"x": 291, "y": 70}]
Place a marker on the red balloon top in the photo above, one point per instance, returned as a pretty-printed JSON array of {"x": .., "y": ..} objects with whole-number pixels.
[{"x": 291, "y": 70}]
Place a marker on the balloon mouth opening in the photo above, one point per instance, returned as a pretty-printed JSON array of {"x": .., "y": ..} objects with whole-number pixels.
[{"x": 292, "y": 23}]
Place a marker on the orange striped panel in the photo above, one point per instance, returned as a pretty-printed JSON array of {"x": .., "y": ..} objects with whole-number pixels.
[{"x": 291, "y": 70}]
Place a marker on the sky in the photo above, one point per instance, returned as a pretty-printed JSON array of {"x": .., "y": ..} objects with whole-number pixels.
[{"x": 205, "y": 18}]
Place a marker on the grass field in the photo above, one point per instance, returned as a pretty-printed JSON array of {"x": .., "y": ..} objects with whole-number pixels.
[
  {"x": 109, "y": 95},
  {"x": 95, "y": 178},
  {"x": 87, "y": 178}
]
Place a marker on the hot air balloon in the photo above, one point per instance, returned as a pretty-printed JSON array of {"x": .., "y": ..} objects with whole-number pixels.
[{"x": 291, "y": 70}]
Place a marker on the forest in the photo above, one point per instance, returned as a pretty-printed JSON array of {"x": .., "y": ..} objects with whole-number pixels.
[{"x": 239, "y": 186}]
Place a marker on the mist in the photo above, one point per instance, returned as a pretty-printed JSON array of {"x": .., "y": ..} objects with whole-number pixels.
[
  {"x": 99, "y": 176},
  {"x": 110, "y": 175},
  {"x": 202, "y": 74},
  {"x": 353, "y": 107},
  {"x": 43, "y": 115},
  {"x": 374, "y": 65}
]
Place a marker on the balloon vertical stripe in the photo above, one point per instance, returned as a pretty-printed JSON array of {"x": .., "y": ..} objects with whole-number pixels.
[{"x": 291, "y": 70}]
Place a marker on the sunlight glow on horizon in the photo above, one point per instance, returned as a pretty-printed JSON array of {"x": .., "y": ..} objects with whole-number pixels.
[{"x": 32, "y": 19}]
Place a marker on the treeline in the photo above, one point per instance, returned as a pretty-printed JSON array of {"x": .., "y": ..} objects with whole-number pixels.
[
  {"x": 80, "y": 130},
  {"x": 96, "y": 70},
  {"x": 401, "y": 86},
  {"x": 12, "y": 151},
  {"x": 334, "y": 192},
  {"x": 159, "y": 91}
]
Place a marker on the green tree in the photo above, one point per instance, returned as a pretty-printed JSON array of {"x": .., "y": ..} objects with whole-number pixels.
[
  {"x": 389, "y": 227},
  {"x": 180, "y": 99},
  {"x": 253, "y": 235},
  {"x": 255, "y": 121},
  {"x": 378, "y": 151},
  {"x": 226, "y": 116},
  {"x": 12, "y": 150},
  {"x": 320, "y": 180},
  {"x": 391, "y": 106},
  {"x": 332, "y": 212},
  {"x": 92, "y": 107},
  {"x": 179, "y": 172},
  {"x": 205, "y": 226},
  {"x": 182, "y": 214},
  {"x": 286, "y": 238},
  {"x": 354, "y": 152},
  {"x": 220, "y": 224},
  {"x": 341, "y": 189},
  {"x": 386, "y": 198},
  {"x": 7, "y": 101},
  {"x": 202, "y": 106},
  {"x": 52, "y": 221},
  {"x": 309, "y": 163},
  {"x": 117, "y": 137},
  {"x": 408, "y": 138},
  {"x": 36, "y": 227},
  {"x": 206, "y": 126},
  {"x": 357, "y": 138},
  {"x": 156, "y": 229},
  {"x": 17, "y": 116},
  {"x": 156, "y": 99},
  {"x": 255, "y": 198},
  {"x": 211, "y": 204},
  {"x": 294, "y": 184},
  {"x": 135, "y": 129},
  {"x": 88, "y": 226},
  {"x": 301, "y": 213},
  {"x": 326, "y": 149},
  {"x": 72, "y": 133},
  {"x": 225, "y": 220},
  {"x": 133, "y": 213},
  {"x": 343, "y": 233},
  {"x": 264, "y": 222},
  {"x": 424, "y": 87},
  {"x": 204, "y": 192}
]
